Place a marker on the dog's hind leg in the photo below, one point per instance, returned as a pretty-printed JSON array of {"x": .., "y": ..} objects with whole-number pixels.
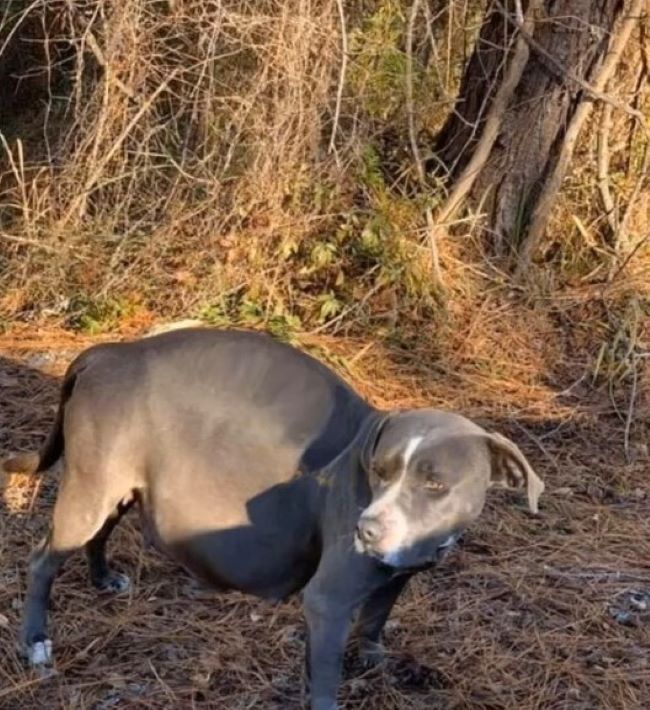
[
  {"x": 77, "y": 520},
  {"x": 373, "y": 617},
  {"x": 102, "y": 576}
]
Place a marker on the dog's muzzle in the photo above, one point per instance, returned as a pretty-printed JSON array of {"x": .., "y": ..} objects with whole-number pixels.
[{"x": 363, "y": 545}]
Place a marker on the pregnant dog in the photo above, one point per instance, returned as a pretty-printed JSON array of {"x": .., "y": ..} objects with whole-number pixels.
[{"x": 259, "y": 469}]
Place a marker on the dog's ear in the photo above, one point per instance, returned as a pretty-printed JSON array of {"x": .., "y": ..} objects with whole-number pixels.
[
  {"x": 371, "y": 439},
  {"x": 510, "y": 469}
]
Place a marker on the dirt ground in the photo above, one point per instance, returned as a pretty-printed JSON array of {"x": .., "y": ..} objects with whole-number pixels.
[{"x": 547, "y": 611}]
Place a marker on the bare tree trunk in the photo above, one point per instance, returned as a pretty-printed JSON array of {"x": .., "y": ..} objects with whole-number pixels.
[{"x": 528, "y": 147}]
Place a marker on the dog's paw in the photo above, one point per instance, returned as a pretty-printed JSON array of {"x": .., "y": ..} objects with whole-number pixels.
[
  {"x": 39, "y": 653},
  {"x": 371, "y": 654},
  {"x": 407, "y": 673},
  {"x": 115, "y": 583}
]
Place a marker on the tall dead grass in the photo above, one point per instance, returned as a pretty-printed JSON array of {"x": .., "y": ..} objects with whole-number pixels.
[
  {"x": 253, "y": 162},
  {"x": 173, "y": 129}
]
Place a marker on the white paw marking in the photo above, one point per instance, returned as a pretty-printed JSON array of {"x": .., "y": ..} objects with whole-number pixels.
[
  {"x": 448, "y": 542},
  {"x": 40, "y": 653},
  {"x": 118, "y": 584},
  {"x": 121, "y": 583}
]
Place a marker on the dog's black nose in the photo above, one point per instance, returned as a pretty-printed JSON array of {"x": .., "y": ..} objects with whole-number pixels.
[{"x": 369, "y": 530}]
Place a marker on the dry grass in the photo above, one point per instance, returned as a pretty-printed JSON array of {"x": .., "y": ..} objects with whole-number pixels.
[
  {"x": 187, "y": 124},
  {"x": 173, "y": 158},
  {"x": 523, "y": 615}
]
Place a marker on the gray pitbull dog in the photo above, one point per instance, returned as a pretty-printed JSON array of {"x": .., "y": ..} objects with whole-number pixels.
[{"x": 258, "y": 469}]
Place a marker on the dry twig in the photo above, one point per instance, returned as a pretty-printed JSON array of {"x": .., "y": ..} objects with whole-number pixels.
[
  {"x": 341, "y": 84},
  {"x": 431, "y": 230},
  {"x": 603, "y": 169}
]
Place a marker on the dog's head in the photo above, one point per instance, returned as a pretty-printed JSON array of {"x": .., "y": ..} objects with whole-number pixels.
[{"x": 429, "y": 473}]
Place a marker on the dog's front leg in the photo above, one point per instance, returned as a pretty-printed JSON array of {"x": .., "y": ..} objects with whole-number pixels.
[
  {"x": 327, "y": 633},
  {"x": 343, "y": 582}
]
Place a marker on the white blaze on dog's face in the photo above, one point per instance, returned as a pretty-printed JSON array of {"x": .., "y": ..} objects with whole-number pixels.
[{"x": 429, "y": 473}]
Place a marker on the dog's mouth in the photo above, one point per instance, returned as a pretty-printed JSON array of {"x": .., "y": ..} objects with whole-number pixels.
[
  {"x": 401, "y": 559},
  {"x": 363, "y": 549}
]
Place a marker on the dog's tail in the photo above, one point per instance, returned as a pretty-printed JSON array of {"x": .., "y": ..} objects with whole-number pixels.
[{"x": 54, "y": 445}]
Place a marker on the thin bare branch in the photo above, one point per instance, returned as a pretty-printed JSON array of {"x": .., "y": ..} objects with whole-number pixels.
[
  {"x": 431, "y": 228},
  {"x": 94, "y": 47},
  {"x": 644, "y": 173},
  {"x": 603, "y": 168},
  {"x": 23, "y": 16},
  {"x": 630, "y": 411},
  {"x": 101, "y": 164},
  {"x": 341, "y": 85}
]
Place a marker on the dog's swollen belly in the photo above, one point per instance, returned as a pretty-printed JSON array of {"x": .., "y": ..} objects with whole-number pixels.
[
  {"x": 267, "y": 545},
  {"x": 264, "y": 566}
]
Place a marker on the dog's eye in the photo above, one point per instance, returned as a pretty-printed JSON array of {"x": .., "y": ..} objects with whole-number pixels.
[
  {"x": 386, "y": 469},
  {"x": 434, "y": 486},
  {"x": 425, "y": 467},
  {"x": 381, "y": 472}
]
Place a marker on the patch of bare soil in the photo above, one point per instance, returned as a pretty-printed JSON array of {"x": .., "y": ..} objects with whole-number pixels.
[{"x": 547, "y": 611}]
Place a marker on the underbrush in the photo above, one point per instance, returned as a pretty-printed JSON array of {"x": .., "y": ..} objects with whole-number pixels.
[{"x": 257, "y": 164}]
